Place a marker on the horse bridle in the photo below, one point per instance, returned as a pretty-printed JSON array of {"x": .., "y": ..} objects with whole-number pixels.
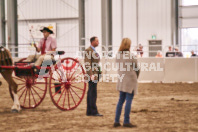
[
  {"x": 7, "y": 60},
  {"x": 2, "y": 62}
]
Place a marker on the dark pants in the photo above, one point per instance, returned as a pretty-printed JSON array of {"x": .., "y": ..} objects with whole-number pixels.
[{"x": 91, "y": 99}]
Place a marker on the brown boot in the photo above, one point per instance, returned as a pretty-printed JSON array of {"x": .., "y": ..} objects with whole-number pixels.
[
  {"x": 116, "y": 124},
  {"x": 129, "y": 125}
]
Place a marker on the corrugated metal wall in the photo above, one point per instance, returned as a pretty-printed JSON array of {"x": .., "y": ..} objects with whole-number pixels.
[
  {"x": 154, "y": 17},
  {"x": 93, "y": 25},
  {"x": 62, "y": 12},
  {"x": 67, "y": 36},
  {"x": 124, "y": 21},
  {"x": 45, "y": 9}
]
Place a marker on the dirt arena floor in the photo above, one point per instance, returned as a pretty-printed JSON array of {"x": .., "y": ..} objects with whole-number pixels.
[{"x": 157, "y": 108}]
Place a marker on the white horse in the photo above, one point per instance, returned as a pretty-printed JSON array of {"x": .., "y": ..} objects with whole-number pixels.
[{"x": 6, "y": 60}]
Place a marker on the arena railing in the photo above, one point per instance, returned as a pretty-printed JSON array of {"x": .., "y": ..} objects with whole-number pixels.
[
  {"x": 174, "y": 69},
  {"x": 27, "y": 49}
]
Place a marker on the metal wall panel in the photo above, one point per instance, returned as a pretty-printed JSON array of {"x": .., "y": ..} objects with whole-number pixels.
[
  {"x": 62, "y": 12},
  {"x": 189, "y": 22},
  {"x": 189, "y": 16},
  {"x": 24, "y": 40},
  {"x": 154, "y": 19},
  {"x": 47, "y": 9},
  {"x": 67, "y": 37},
  {"x": 189, "y": 11},
  {"x": 124, "y": 22},
  {"x": 116, "y": 24},
  {"x": 130, "y": 20},
  {"x": 93, "y": 26}
]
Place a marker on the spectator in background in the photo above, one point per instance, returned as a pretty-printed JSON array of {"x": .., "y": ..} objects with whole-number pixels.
[
  {"x": 170, "y": 48},
  {"x": 170, "y": 52},
  {"x": 159, "y": 54},
  {"x": 193, "y": 54},
  {"x": 178, "y": 53},
  {"x": 140, "y": 50}
]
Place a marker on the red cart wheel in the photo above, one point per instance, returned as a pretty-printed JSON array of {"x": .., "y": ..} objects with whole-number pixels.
[
  {"x": 67, "y": 86},
  {"x": 70, "y": 65},
  {"x": 31, "y": 91}
]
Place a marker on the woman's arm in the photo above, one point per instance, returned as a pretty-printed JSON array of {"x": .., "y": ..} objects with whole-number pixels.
[{"x": 136, "y": 68}]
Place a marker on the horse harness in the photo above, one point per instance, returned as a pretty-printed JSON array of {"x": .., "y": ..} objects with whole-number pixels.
[{"x": 5, "y": 59}]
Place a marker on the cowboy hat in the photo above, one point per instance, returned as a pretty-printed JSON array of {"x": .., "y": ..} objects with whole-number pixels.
[{"x": 47, "y": 29}]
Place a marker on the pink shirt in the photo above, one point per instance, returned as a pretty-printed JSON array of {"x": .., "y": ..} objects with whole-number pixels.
[{"x": 49, "y": 45}]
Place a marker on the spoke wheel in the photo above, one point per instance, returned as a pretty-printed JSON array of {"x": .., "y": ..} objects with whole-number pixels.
[
  {"x": 67, "y": 85},
  {"x": 30, "y": 91}
]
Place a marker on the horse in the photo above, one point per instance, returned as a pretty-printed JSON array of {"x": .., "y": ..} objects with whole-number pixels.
[{"x": 6, "y": 60}]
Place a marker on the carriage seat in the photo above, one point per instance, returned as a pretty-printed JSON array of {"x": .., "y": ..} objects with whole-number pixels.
[
  {"x": 55, "y": 52},
  {"x": 34, "y": 69},
  {"x": 48, "y": 63},
  {"x": 60, "y": 52},
  {"x": 53, "y": 60},
  {"x": 31, "y": 69}
]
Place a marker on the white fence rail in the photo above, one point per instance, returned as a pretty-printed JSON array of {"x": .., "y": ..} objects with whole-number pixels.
[
  {"x": 160, "y": 69},
  {"x": 27, "y": 49},
  {"x": 157, "y": 69}
]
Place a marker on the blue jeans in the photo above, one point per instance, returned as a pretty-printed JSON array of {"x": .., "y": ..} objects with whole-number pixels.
[{"x": 128, "y": 97}]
